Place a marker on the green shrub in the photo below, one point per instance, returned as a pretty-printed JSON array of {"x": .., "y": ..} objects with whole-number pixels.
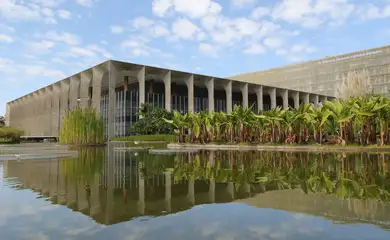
[
  {"x": 10, "y": 135},
  {"x": 152, "y": 121},
  {"x": 82, "y": 127}
]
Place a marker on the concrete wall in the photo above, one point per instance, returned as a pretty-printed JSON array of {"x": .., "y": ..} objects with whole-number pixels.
[
  {"x": 323, "y": 76},
  {"x": 40, "y": 113}
]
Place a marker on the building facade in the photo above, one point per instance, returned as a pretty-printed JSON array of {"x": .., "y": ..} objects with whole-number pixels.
[
  {"x": 118, "y": 89},
  {"x": 324, "y": 76}
]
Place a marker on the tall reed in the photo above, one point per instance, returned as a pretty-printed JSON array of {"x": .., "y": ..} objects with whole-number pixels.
[{"x": 82, "y": 127}]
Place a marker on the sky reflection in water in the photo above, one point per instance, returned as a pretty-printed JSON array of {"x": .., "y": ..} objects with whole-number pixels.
[{"x": 253, "y": 195}]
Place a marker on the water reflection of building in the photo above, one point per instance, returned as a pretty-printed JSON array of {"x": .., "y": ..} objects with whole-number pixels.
[{"x": 116, "y": 186}]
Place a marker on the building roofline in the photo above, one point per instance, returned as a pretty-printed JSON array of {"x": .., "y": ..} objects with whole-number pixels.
[{"x": 334, "y": 58}]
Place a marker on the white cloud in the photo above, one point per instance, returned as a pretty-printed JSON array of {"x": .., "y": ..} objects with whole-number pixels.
[
  {"x": 142, "y": 22},
  {"x": 64, "y": 14},
  {"x": 47, "y": 12},
  {"x": 5, "y": 38},
  {"x": 80, "y": 51},
  {"x": 243, "y": 3},
  {"x": 41, "y": 46},
  {"x": 138, "y": 52},
  {"x": 68, "y": 38},
  {"x": 160, "y": 7},
  {"x": 183, "y": 28},
  {"x": 190, "y": 8},
  {"x": 208, "y": 49},
  {"x": 246, "y": 27},
  {"x": 117, "y": 29},
  {"x": 85, "y": 3},
  {"x": 370, "y": 11},
  {"x": 50, "y": 20},
  {"x": 300, "y": 48},
  {"x": 281, "y": 52},
  {"x": 255, "y": 49},
  {"x": 47, "y": 3},
  {"x": 273, "y": 42},
  {"x": 260, "y": 12},
  {"x": 100, "y": 50},
  {"x": 37, "y": 70},
  {"x": 311, "y": 14},
  {"x": 6, "y": 28},
  {"x": 16, "y": 10},
  {"x": 159, "y": 31}
]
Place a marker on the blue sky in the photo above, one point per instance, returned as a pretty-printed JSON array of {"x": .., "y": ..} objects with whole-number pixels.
[{"x": 42, "y": 41}]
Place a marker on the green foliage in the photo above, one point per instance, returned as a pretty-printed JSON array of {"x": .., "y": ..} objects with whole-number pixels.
[
  {"x": 2, "y": 121},
  {"x": 82, "y": 127},
  {"x": 10, "y": 135},
  {"x": 356, "y": 120},
  {"x": 152, "y": 121},
  {"x": 347, "y": 176},
  {"x": 89, "y": 162},
  {"x": 154, "y": 137}
]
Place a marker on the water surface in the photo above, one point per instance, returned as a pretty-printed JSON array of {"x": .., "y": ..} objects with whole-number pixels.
[{"x": 115, "y": 194}]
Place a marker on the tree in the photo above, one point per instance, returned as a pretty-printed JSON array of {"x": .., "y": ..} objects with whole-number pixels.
[
  {"x": 152, "y": 121},
  {"x": 2, "y": 121}
]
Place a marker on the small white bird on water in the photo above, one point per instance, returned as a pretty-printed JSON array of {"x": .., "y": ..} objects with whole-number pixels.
[{"x": 136, "y": 143}]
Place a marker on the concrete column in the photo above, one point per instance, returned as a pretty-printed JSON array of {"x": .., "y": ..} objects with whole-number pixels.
[
  {"x": 284, "y": 95},
  {"x": 64, "y": 99},
  {"x": 168, "y": 87},
  {"x": 296, "y": 100},
  {"x": 41, "y": 112},
  {"x": 113, "y": 75},
  {"x": 212, "y": 181},
  {"x": 168, "y": 190},
  {"x": 141, "y": 191},
  {"x": 74, "y": 91},
  {"x": 55, "y": 109},
  {"x": 230, "y": 189},
  {"x": 7, "y": 114},
  {"x": 34, "y": 116},
  {"x": 191, "y": 191},
  {"x": 110, "y": 171},
  {"x": 141, "y": 82},
  {"x": 315, "y": 100},
  {"x": 306, "y": 98},
  {"x": 244, "y": 92},
  {"x": 210, "y": 89},
  {"x": 190, "y": 89},
  {"x": 323, "y": 99},
  {"x": 47, "y": 111},
  {"x": 259, "y": 94},
  {"x": 229, "y": 97},
  {"x": 272, "y": 94},
  {"x": 97, "y": 79},
  {"x": 86, "y": 78}
]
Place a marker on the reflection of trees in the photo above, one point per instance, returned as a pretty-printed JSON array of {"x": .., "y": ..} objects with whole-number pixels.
[
  {"x": 348, "y": 176},
  {"x": 88, "y": 163}
]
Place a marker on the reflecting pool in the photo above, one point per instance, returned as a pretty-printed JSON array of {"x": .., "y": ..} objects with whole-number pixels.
[{"x": 112, "y": 193}]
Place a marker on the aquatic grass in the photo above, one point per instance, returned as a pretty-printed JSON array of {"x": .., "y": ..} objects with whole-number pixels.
[{"x": 82, "y": 127}]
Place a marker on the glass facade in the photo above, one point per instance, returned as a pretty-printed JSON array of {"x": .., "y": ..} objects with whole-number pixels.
[{"x": 127, "y": 105}]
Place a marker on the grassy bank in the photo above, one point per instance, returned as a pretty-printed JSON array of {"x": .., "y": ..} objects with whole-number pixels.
[{"x": 145, "y": 138}]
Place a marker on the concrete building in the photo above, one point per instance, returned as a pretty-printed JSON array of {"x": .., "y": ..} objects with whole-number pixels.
[
  {"x": 324, "y": 76},
  {"x": 117, "y": 89}
]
